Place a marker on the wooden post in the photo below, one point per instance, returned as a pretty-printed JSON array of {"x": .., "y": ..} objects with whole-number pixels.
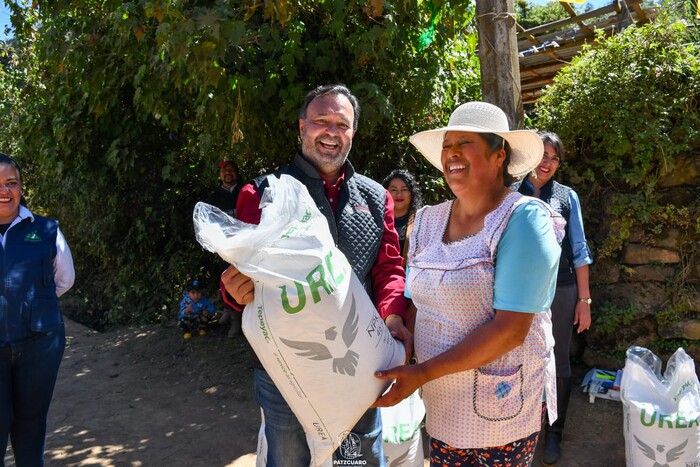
[{"x": 498, "y": 53}]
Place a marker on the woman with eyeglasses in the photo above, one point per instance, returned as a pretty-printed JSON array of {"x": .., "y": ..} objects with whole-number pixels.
[{"x": 572, "y": 300}]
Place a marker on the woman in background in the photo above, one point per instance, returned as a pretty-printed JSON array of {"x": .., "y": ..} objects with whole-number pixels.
[
  {"x": 404, "y": 190},
  {"x": 36, "y": 268},
  {"x": 572, "y": 300}
]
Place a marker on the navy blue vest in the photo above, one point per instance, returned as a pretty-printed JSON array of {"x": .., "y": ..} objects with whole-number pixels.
[
  {"x": 28, "y": 302},
  {"x": 557, "y": 196}
]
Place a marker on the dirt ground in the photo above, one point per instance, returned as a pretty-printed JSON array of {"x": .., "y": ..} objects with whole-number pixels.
[{"x": 146, "y": 397}]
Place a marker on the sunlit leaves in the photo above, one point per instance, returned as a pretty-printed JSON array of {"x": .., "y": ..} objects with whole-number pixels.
[
  {"x": 628, "y": 108},
  {"x": 130, "y": 103}
]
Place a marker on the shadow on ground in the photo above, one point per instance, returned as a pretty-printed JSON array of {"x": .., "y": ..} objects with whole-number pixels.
[{"x": 146, "y": 397}]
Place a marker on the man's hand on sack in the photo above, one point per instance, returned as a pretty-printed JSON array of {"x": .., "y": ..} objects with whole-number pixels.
[
  {"x": 238, "y": 285},
  {"x": 399, "y": 331}
]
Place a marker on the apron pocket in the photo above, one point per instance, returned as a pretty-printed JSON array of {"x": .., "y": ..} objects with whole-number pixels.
[{"x": 498, "y": 397}]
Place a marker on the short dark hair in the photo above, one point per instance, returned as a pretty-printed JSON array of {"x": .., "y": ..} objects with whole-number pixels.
[
  {"x": 332, "y": 89},
  {"x": 411, "y": 183},
  {"x": 5, "y": 159},
  {"x": 555, "y": 141}
]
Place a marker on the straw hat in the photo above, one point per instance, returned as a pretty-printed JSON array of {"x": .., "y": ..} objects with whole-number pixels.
[{"x": 482, "y": 117}]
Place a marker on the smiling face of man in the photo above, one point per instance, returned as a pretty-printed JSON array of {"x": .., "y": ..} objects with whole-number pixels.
[
  {"x": 327, "y": 132},
  {"x": 228, "y": 175}
]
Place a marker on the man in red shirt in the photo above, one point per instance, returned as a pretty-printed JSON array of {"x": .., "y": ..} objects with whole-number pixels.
[{"x": 360, "y": 215}]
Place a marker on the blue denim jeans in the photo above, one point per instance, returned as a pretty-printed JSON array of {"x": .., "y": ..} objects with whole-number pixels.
[
  {"x": 286, "y": 441},
  {"x": 28, "y": 372}
]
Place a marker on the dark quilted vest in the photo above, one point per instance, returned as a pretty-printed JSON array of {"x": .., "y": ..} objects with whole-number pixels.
[
  {"x": 557, "y": 196},
  {"x": 358, "y": 225}
]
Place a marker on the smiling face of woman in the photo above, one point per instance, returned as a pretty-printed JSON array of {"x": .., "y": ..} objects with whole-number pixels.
[
  {"x": 469, "y": 162},
  {"x": 548, "y": 165},
  {"x": 10, "y": 193},
  {"x": 401, "y": 195}
]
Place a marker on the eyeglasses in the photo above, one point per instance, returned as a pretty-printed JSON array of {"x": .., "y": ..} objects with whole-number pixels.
[{"x": 11, "y": 185}]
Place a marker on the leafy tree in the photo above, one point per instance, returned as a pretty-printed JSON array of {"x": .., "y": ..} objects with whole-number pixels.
[
  {"x": 628, "y": 109},
  {"x": 530, "y": 16},
  {"x": 630, "y": 99},
  {"x": 119, "y": 109}
]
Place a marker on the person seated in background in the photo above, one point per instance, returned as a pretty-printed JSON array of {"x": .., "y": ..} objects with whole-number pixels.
[
  {"x": 196, "y": 310},
  {"x": 404, "y": 190}
]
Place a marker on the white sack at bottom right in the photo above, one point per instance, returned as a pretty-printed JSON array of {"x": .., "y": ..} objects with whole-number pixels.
[{"x": 661, "y": 411}]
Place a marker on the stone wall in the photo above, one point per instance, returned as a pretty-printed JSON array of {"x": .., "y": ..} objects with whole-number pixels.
[{"x": 654, "y": 283}]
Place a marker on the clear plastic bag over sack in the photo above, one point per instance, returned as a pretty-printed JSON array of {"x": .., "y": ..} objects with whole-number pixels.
[
  {"x": 312, "y": 325},
  {"x": 660, "y": 411}
]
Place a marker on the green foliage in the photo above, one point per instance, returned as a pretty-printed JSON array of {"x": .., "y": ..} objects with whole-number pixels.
[
  {"x": 118, "y": 111},
  {"x": 673, "y": 313},
  {"x": 530, "y": 16},
  {"x": 626, "y": 110},
  {"x": 609, "y": 318},
  {"x": 669, "y": 346}
]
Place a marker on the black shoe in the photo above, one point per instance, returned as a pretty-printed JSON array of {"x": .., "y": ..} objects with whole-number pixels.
[{"x": 552, "y": 449}]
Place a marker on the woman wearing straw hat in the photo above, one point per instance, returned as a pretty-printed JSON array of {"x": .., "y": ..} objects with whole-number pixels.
[{"x": 482, "y": 274}]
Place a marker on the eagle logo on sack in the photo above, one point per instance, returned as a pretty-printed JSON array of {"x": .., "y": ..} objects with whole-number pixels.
[
  {"x": 671, "y": 455},
  {"x": 344, "y": 365}
]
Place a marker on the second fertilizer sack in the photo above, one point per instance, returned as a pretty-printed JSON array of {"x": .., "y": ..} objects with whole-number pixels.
[{"x": 311, "y": 324}]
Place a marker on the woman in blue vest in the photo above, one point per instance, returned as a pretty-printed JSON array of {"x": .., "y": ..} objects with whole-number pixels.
[
  {"x": 572, "y": 301},
  {"x": 36, "y": 268}
]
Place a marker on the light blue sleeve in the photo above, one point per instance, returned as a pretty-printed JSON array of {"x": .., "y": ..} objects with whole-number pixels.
[
  {"x": 406, "y": 293},
  {"x": 577, "y": 237},
  {"x": 527, "y": 259}
]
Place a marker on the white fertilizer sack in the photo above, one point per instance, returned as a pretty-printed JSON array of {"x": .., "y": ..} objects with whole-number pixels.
[
  {"x": 660, "y": 412},
  {"x": 408, "y": 453},
  {"x": 403, "y": 442},
  {"x": 312, "y": 325}
]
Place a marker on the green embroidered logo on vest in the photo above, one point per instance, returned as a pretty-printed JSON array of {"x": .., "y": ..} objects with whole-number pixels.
[{"x": 32, "y": 237}]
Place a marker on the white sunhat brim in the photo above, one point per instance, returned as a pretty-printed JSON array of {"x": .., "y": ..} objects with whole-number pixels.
[{"x": 526, "y": 145}]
